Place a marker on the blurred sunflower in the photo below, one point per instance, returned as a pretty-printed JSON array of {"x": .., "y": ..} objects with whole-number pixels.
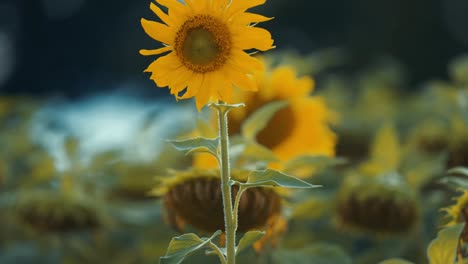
[
  {"x": 56, "y": 212},
  {"x": 194, "y": 198},
  {"x": 206, "y": 42},
  {"x": 300, "y": 128},
  {"x": 458, "y": 213}
]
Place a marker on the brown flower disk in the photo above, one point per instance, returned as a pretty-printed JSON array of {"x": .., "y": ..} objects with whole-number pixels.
[
  {"x": 198, "y": 202},
  {"x": 55, "y": 214},
  {"x": 377, "y": 211}
]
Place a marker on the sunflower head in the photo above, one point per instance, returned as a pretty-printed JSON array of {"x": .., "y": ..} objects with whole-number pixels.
[
  {"x": 378, "y": 206},
  {"x": 194, "y": 197},
  {"x": 458, "y": 213},
  {"x": 205, "y": 42},
  {"x": 300, "y": 128},
  {"x": 46, "y": 211}
]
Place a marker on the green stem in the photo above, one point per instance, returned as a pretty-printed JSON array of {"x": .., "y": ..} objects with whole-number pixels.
[
  {"x": 236, "y": 206},
  {"x": 218, "y": 252},
  {"x": 229, "y": 226}
]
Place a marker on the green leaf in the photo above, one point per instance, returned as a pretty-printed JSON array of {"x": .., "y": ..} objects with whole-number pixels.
[
  {"x": 273, "y": 178},
  {"x": 316, "y": 162},
  {"x": 463, "y": 171},
  {"x": 248, "y": 239},
  {"x": 260, "y": 118},
  {"x": 442, "y": 250},
  {"x": 181, "y": 246},
  {"x": 455, "y": 182},
  {"x": 198, "y": 144},
  {"x": 395, "y": 261}
]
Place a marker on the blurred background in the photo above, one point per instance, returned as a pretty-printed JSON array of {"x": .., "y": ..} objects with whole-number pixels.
[
  {"x": 75, "y": 47},
  {"x": 83, "y": 133}
]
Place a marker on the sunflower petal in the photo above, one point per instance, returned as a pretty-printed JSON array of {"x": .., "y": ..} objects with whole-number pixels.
[
  {"x": 163, "y": 68},
  {"x": 247, "y": 18},
  {"x": 254, "y": 38},
  {"x": 163, "y": 16},
  {"x": 241, "y": 80},
  {"x": 158, "y": 31},
  {"x": 202, "y": 95},
  {"x": 146, "y": 52},
  {"x": 238, "y": 6},
  {"x": 246, "y": 63}
]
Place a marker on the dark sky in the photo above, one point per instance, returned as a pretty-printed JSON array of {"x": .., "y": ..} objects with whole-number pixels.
[{"x": 73, "y": 47}]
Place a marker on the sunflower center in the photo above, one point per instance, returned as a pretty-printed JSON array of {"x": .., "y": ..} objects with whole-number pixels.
[{"x": 203, "y": 43}]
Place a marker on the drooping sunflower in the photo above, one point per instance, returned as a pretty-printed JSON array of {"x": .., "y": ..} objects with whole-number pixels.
[
  {"x": 205, "y": 42},
  {"x": 300, "y": 128},
  {"x": 193, "y": 197}
]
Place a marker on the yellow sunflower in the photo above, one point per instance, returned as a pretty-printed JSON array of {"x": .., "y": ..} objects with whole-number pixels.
[
  {"x": 206, "y": 41},
  {"x": 299, "y": 129}
]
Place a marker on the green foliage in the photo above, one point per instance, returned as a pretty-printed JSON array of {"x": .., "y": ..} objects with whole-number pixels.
[
  {"x": 442, "y": 250},
  {"x": 456, "y": 181},
  {"x": 248, "y": 239},
  {"x": 258, "y": 120},
  {"x": 274, "y": 178},
  {"x": 180, "y": 247},
  {"x": 198, "y": 144}
]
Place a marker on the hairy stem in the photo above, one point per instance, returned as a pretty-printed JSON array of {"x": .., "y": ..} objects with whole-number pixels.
[{"x": 230, "y": 227}]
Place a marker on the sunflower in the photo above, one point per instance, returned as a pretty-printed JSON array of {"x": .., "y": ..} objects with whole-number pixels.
[
  {"x": 377, "y": 205},
  {"x": 55, "y": 212},
  {"x": 300, "y": 128},
  {"x": 458, "y": 213},
  {"x": 205, "y": 42},
  {"x": 193, "y": 198}
]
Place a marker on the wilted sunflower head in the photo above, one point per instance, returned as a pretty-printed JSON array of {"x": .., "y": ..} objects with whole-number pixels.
[
  {"x": 458, "y": 213},
  {"x": 194, "y": 198},
  {"x": 55, "y": 212},
  {"x": 299, "y": 128},
  {"x": 205, "y": 42},
  {"x": 382, "y": 205}
]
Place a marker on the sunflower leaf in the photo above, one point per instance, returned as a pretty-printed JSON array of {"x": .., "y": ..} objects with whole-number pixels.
[
  {"x": 260, "y": 118},
  {"x": 198, "y": 144},
  {"x": 180, "y": 247},
  {"x": 442, "y": 250},
  {"x": 463, "y": 171},
  {"x": 248, "y": 239},
  {"x": 455, "y": 182},
  {"x": 275, "y": 178}
]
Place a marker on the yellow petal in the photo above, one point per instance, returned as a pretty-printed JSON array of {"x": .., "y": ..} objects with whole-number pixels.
[
  {"x": 163, "y": 16},
  {"x": 246, "y": 19},
  {"x": 245, "y": 63},
  {"x": 158, "y": 31},
  {"x": 202, "y": 95},
  {"x": 173, "y": 6},
  {"x": 238, "y": 6},
  {"x": 145, "y": 52},
  {"x": 162, "y": 68},
  {"x": 242, "y": 80},
  {"x": 254, "y": 38}
]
